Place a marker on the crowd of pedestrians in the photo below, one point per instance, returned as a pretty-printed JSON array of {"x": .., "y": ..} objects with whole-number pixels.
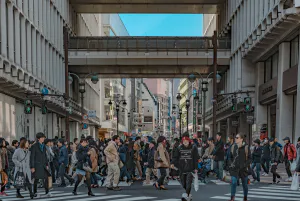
[{"x": 29, "y": 165}]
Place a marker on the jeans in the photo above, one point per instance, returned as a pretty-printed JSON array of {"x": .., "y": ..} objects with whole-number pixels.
[
  {"x": 287, "y": 164},
  {"x": 186, "y": 180},
  {"x": 275, "y": 174},
  {"x": 234, "y": 185},
  {"x": 265, "y": 163},
  {"x": 163, "y": 174},
  {"x": 62, "y": 174},
  {"x": 95, "y": 178},
  {"x": 219, "y": 169},
  {"x": 125, "y": 173},
  {"x": 258, "y": 169}
]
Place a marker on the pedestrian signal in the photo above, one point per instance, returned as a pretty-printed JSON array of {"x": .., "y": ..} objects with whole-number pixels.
[{"x": 28, "y": 107}]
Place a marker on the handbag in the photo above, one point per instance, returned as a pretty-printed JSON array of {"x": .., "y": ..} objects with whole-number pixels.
[
  {"x": 293, "y": 165},
  {"x": 19, "y": 180},
  {"x": 50, "y": 182},
  {"x": 87, "y": 167},
  {"x": 4, "y": 178}
]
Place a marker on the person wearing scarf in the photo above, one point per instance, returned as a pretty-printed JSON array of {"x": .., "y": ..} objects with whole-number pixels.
[{"x": 186, "y": 157}]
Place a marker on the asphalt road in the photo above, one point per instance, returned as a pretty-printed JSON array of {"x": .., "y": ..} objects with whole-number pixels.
[{"x": 137, "y": 192}]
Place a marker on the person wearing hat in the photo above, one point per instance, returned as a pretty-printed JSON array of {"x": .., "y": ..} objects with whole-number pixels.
[
  {"x": 63, "y": 161},
  {"x": 256, "y": 159},
  {"x": 150, "y": 162},
  {"x": 275, "y": 160},
  {"x": 289, "y": 155},
  {"x": 298, "y": 156},
  {"x": 39, "y": 163},
  {"x": 186, "y": 157}
]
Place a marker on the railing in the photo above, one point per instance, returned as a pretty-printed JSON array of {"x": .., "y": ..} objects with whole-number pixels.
[{"x": 146, "y": 43}]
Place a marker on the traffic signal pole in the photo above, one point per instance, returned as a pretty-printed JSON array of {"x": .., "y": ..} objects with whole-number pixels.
[{"x": 66, "y": 54}]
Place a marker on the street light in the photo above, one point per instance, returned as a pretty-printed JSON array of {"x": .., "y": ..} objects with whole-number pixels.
[{"x": 117, "y": 103}]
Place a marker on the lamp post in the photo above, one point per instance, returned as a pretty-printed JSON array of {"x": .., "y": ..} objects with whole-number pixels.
[
  {"x": 192, "y": 78},
  {"x": 128, "y": 115},
  {"x": 180, "y": 113},
  {"x": 187, "y": 105},
  {"x": 94, "y": 80},
  {"x": 117, "y": 103}
]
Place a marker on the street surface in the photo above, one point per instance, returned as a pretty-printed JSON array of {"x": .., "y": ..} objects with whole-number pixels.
[{"x": 138, "y": 192}]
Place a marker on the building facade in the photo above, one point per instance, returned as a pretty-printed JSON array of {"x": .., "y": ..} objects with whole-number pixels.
[{"x": 264, "y": 61}]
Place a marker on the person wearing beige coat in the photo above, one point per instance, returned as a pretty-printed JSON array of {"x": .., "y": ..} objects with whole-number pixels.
[
  {"x": 113, "y": 160},
  {"x": 162, "y": 162}
]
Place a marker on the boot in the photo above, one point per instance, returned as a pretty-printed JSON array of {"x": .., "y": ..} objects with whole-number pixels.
[
  {"x": 19, "y": 194},
  {"x": 31, "y": 194},
  {"x": 245, "y": 198},
  {"x": 232, "y": 198},
  {"x": 75, "y": 189},
  {"x": 90, "y": 193}
]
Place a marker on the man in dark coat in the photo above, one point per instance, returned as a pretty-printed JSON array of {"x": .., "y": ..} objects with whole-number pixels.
[
  {"x": 256, "y": 159},
  {"x": 218, "y": 156},
  {"x": 266, "y": 157},
  {"x": 39, "y": 163}
]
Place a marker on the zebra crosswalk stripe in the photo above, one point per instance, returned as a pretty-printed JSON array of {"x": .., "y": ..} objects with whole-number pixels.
[
  {"x": 266, "y": 192},
  {"x": 135, "y": 198}
]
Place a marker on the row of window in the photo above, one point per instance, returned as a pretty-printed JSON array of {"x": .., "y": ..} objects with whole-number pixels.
[{"x": 271, "y": 64}]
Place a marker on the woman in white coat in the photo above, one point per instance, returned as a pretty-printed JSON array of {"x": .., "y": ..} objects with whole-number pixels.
[{"x": 21, "y": 159}]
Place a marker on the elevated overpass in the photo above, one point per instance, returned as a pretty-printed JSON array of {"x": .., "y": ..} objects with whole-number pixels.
[
  {"x": 146, "y": 6},
  {"x": 146, "y": 57}
]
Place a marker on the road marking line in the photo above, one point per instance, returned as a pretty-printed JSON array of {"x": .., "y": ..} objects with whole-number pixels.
[
  {"x": 135, "y": 198},
  {"x": 226, "y": 198},
  {"x": 272, "y": 193},
  {"x": 268, "y": 197},
  {"x": 275, "y": 191}
]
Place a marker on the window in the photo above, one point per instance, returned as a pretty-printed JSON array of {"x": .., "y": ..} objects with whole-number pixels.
[
  {"x": 107, "y": 115},
  {"x": 271, "y": 67},
  {"x": 294, "y": 52}
]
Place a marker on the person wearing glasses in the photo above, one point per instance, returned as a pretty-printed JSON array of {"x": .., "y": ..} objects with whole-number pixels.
[{"x": 239, "y": 160}]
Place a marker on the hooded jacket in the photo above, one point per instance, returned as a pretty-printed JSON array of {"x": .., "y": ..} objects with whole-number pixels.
[
  {"x": 240, "y": 160},
  {"x": 186, "y": 158},
  {"x": 275, "y": 153},
  {"x": 219, "y": 151}
]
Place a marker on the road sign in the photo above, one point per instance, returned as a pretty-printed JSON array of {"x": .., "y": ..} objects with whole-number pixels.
[
  {"x": 85, "y": 117},
  {"x": 250, "y": 119},
  {"x": 92, "y": 113},
  {"x": 84, "y": 126},
  {"x": 45, "y": 91}
]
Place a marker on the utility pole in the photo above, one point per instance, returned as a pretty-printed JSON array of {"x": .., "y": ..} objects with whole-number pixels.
[
  {"x": 215, "y": 55},
  {"x": 66, "y": 45}
]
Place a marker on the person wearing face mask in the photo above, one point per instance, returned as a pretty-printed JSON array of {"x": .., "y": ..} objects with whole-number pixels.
[
  {"x": 186, "y": 157},
  {"x": 266, "y": 157}
]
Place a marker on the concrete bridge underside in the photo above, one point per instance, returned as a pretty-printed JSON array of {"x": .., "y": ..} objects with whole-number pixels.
[
  {"x": 146, "y": 6},
  {"x": 146, "y": 57}
]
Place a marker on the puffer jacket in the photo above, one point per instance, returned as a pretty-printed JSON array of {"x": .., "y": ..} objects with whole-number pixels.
[
  {"x": 82, "y": 157},
  {"x": 275, "y": 153},
  {"x": 150, "y": 159},
  {"x": 290, "y": 152}
]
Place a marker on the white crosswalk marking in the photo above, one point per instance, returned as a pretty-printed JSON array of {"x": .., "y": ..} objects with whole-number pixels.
[
  {"x": 267, "y": 192},
  {"x": 220, "y": 182},
  {"x": 135, "y": 199},
  {"x": 174, "y": 183}
]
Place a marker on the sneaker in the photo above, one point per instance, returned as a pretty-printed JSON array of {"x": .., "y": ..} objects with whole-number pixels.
[
  {"x": 48, "y": 194},
  {"x": 184, "y": 197},
  {"x": 62, "y": 185},
  {"x": 266, "y": 175},
  {"x": 263, "y": 174},
  {"x": 109, "y": 188},
  {"x": 116, "y": 188},
  {"x": 289, "y": 179},
  {"x": 190, "y": 198},
  {"x": 3, "y": 194}
]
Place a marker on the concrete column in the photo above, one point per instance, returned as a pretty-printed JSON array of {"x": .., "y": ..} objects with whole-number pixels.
[
  {"x": 10, "y": 17},
  {"x": 43, "y": 63},
  {"x": 47, "y": 63},
  {"x": 50, "y": 66},
  {"x": 210, "y": 130},
  {"x": 297, "y": 126},
  {"x": 219, "y": 126},
  {"x": 229, "y": 127},
  {"x": 23, "y": 42},
  {"x": 31, "y": 9},
  {"x": 260, "y": 111},
  {"x": 28, "y": 48},
  {"x": 3, "y": 34},
  {"x": 17, "y": 41},
  {"x": 243, "y": 125},
  {"x": 284, "y": 106},
  {"x": 39, "y": 56},
  {"x": 25, "y": 5},
  {"x": 36, "y": 12},
  {"x": 34, "y": 60}
]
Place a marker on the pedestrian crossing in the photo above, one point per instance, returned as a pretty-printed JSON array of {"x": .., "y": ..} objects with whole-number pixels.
[
  {"x": 272, "y": 192},
  {"x": 62, "y": 195}
]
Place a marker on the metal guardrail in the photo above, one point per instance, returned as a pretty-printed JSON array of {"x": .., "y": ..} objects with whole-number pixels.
[{"x": 146, "y": 43}]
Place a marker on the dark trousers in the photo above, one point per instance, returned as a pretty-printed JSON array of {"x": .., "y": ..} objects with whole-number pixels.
[
  {"x": 257, "y": 175},
  {"x": 163, "y": 174},
  {"x": 265, "y": 164},
  {"x": 36, "y": 181},
  {"x": 28, "y": 185},
  {"x": 275, "y": 174},
  {"x": 287, "y": 164},
  {"x": 63, "y": 174},
  {"x": 88, "y": 181},
  {"x": 186, "y": 182},
  {"x": 52, "y": 172}
]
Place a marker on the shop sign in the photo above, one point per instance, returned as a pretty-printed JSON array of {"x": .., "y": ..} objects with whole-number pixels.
[
  {"x": 268, "y": 91},
  {"x": 235, "y": 123}
]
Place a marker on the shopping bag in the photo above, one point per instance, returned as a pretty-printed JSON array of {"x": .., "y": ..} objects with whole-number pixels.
[
  {"x": 293, "y": 166},
  {"x": 196, "y": 181},
  {"x": 50, "y": 182},
  {"x": 295, "y": 182},
  {"x": 19, "y": 180}
]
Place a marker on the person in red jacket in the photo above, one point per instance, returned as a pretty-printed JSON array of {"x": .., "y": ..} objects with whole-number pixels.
[{"x": 289, "y": 155}]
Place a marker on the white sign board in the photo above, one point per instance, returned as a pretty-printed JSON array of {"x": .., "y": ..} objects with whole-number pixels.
[
  {"x": 92, "y": 113},
  {"x": 297, "y": 3}
]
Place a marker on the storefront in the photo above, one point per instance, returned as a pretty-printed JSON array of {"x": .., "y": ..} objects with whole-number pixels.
[{"x": 268, "y": 98}]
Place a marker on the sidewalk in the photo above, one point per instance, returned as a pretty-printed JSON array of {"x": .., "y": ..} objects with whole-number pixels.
[{"x": 281, "y": 171}]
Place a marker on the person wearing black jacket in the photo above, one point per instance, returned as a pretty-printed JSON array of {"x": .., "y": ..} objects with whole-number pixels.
[
  {"x": 150, "y": 162},
  {"x": 83, "y": 158},
  {"x": 186, "y": 157},
  {"x": 256, "y": 159},
  {"x": 275, "y": 160},
  {"x": 218, "y": 155},
  {"x": 39, "y": 163},
  {"x": 239, "y": 160},
  {"x": 266, "y": 158}
]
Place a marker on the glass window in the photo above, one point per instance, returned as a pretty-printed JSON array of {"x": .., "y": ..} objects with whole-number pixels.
[
  {"x": 294, "y": 51},
  {"x": 268, "y": 70},
  {"x": 107, "y": 92},
  {"x": 106, "y": 114},
  {"x": 275, "y": 65}
]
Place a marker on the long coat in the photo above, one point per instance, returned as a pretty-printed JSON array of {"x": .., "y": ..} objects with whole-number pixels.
[
  {"x": 94, "y": 159},
  {"x": 39, "y": 161},
  {"x": 21, "y": 159}
]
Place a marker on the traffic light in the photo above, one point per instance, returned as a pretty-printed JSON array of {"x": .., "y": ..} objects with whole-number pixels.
[
  {"x": 44, "y": 109},
  {"x": 247, "y": 105},
  {"x": 28, "y": 106},
  {"x": 234, "y": 105}
]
